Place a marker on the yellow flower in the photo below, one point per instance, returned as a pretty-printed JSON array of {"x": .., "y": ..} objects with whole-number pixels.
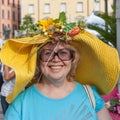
[{"x": 46, "y": 23}]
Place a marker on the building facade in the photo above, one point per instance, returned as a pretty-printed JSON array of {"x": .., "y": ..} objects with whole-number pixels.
[
  {"x": 13, "y": 11},
  {"x": 74, "y": 9},
  {"x": 10, "y": 17}
]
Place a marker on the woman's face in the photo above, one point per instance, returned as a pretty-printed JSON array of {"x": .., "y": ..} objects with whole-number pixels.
[{"x": 55, "y": 62}]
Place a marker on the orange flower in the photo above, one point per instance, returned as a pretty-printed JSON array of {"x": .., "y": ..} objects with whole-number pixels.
[{"x": 74, "y": 31}]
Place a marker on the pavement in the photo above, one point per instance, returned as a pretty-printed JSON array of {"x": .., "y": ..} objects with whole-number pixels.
[{"x": 1, "y": 113}]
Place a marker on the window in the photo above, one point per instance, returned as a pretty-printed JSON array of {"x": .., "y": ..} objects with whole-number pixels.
[
  {"x": 31, "y": 9},
  {"x": 13, "y": 15},
  {"x": 63, "y": 7},
  {"x": 96, "y": 6},
  {"x": 3, "y": 14},
  {"x": 14, "y": 27},
  {"x": 18, "y": 4},
  {"x": 47, "y": 8},
  {"x": 79, "y": 7},
  {"x": 2, "y": 1},
  {"x": 13, "y": 2},
  {"x": 8, "y": 2},
  {"x": 8, "y": 26},
  {"x": 8, "y": 15},
  {"x": 3, "y": 27}
]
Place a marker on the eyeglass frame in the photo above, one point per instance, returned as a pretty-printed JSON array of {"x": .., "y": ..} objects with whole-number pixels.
[{"x": 53, "y": 54}]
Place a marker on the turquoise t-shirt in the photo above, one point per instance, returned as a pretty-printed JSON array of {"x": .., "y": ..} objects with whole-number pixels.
[{"x": 32, "y": 105}]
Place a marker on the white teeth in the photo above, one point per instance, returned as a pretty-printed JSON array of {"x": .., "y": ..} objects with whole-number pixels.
[{"x": 56, "y": 67}]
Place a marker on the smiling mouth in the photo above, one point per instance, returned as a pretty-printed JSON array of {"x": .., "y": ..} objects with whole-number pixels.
[{"x": 56, "y": 66}]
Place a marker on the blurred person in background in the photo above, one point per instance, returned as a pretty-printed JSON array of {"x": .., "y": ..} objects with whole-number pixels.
[{"x": 7, "y": 86}]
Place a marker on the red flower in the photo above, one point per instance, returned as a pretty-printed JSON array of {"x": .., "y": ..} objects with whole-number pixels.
[{"x": 74, "y": 31}]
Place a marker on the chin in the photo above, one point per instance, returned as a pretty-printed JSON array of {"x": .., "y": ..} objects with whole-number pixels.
[{"x": 57, "y": 78}]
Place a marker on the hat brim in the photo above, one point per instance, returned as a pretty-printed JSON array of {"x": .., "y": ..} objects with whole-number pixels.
[
  {"x": 99, "y": 62},
  {"x": 98, "y": 65},
  {"x": 20, "y": 55}
]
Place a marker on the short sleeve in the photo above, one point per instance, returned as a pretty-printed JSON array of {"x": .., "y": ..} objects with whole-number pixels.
[
  {"x": 98, "y": 99},
  {"x": 14, "y": 110},
  {"x": 11, "y": 114}
]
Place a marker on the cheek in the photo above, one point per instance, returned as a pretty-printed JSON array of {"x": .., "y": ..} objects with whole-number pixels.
[
  {"x": 42, "y": 67},
  {"x": 68, "y": 66}
]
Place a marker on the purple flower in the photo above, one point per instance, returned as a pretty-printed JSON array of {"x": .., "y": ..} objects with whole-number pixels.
[
  {"x": 118, "y": 109},
  {"x": 114, "y": 108},
  {"x": 118, "y": 95}
]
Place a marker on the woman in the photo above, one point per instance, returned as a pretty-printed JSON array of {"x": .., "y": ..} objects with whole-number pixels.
[
  {"x": 66, "y": 59},
  {"x": 56, "y": 95},
  {"x": 7, "y": 87}
]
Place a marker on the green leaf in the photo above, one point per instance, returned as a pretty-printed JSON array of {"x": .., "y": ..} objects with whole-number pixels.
[
  {"x": 56, "y": 21},
  {"x": 69, "y": 26},
  {"x": 62, "y": 17}
]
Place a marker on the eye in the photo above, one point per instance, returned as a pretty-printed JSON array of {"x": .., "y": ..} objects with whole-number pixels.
[
  {"x": 47, "y": 52},
  {"x": 64, "y": 52}
]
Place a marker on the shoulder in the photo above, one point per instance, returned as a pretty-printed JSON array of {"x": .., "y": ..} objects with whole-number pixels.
[
  {"x": 24, "y": 94},
  {"x": 99, "y": 102},
  {"x": 98, "y": 99},
  {"x": 20, "y": 103}
]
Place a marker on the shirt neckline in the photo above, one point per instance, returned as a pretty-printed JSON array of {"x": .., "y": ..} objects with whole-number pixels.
[{"x": 53, "y": 99}]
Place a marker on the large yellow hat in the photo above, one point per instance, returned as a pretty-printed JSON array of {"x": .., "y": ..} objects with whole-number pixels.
[{"x": 99, "y": 63}]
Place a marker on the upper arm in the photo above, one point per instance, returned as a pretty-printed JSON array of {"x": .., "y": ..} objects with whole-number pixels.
[
  {"x": 14, "y": 110},
  {"x": 8, "y": 74},
  {"x": 103, "y": 114},
  {"x": 102, "y": 111},
  {"x": 98, "y": 100},
  {"x": 11, "y": 114}
]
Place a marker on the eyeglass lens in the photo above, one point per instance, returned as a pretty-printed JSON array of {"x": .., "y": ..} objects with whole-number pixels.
[{"x": 63, "y": 54}]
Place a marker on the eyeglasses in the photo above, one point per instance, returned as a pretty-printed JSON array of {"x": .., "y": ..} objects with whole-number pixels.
[{"x": 63, "y": 54}]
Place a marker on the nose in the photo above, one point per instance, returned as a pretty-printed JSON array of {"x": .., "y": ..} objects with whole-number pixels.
[{"x": 56, "y": 57}]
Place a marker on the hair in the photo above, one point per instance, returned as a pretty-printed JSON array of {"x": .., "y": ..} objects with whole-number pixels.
[{"x": 38, "y": 74}]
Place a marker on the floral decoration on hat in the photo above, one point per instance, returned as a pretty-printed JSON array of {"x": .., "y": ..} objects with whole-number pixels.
[{"x": 59, "y": 29}]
